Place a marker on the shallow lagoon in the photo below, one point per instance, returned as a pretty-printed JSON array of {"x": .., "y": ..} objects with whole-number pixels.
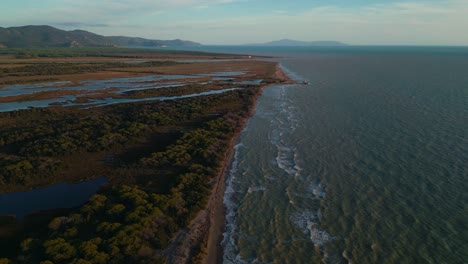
[{"x": 118, "y": 86}]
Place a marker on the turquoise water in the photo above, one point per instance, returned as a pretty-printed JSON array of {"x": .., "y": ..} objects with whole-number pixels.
[{"x": 367, "y": 164}]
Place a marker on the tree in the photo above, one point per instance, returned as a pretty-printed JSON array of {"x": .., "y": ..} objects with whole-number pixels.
[
  {"x": 26, "y": 244},
  {"x": 59, "y": 249},
  {"x": 90, "y": 250},
  {"x": 116, "y": 209},
  {"x": 57, "y": 222}
]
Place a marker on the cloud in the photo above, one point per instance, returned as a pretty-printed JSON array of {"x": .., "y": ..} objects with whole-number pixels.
[
  {"x": 417, "y": 22},
  {"x": 441, "y": 22},
  {"x": 78, "y": 24},
  {"x": 399, "y": 23},
  {"x": 102, "y": 12},
  {"x": 138, "y": 6},
  {"x": 280, "y": 11}
]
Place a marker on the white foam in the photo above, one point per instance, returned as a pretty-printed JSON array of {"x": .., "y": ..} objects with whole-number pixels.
[
  {"x": 256, "y": 189},
  {"x": 307, "y": 222},
  {"x": 283, "y": 118},
  {"x": 318, "y": 190},
  {"x": 282, "y": 126},
  {"x": 286, "y": 159},
  {"x": 231, "y": 254},
  {"x": 291, "y": 74}
]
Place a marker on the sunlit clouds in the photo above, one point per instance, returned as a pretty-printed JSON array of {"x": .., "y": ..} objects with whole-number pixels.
[{"x": 414, "y": 22}]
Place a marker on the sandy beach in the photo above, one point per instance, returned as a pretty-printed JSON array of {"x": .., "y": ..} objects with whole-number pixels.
[
  {"x": 205, "y": 231},
  {"x": 200, "y": 240},
  {"x": 217, "y": 208}
]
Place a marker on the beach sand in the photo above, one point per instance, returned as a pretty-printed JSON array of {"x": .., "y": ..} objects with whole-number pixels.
[
  {"x": 215, "y": 237},
  {"x": 205, "y": 232}
]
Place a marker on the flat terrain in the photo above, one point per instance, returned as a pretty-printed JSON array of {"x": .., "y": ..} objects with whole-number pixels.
[{"x": 162, "y": 136}]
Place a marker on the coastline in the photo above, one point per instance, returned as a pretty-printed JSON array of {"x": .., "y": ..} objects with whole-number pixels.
[
  {"x": 200, "y": 241},
  {"x": 214, "y": 251}
]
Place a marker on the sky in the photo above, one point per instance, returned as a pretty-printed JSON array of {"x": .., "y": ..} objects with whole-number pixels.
[{"x": 224, "y": 22}]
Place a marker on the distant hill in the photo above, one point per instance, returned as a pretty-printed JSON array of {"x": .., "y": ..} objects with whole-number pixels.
[
  {"x": 47, "y": 36},
  {"x": 290, "y": 42},
  {"x": 129, "y": 41}
]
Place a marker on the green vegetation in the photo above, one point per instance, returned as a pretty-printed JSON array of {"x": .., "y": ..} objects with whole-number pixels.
[
  {"x": 93, "y": 52},
  {"x": 73, "y": 68},
  {"x": 47, "y": 36},
  {"x": 183, "y": 90},
  {"x": 33, "y": 149},
  {"x": 152, "y": 195},
  {"x": 162, "y": 158}
]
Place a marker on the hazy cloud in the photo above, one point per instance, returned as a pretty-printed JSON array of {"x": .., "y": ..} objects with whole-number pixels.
[
  {"x": 78, "y": 24},
  {"x": 139, "y": 6},
  {"x": 400, "y": 23},
  {"x": 417, "y": 22},
  {"x": 102, "y": 12}
]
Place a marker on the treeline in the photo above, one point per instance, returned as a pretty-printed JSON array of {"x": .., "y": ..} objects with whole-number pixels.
[
  {"x": 35, "y": 149},
  {"x": 74, "y": 68},
  {"x": 113, "y": 52},
  {"x": 164, "y": 159},
  {"x": 133, "y": 223},
  {"x": 183, "y": 90},
  {"x": 130, "y": 224}
]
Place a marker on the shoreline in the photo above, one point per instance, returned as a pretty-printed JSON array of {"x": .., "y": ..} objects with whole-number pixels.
[
  {"x": 200, "y": 241},
  {"x": 214, "y": 251}
]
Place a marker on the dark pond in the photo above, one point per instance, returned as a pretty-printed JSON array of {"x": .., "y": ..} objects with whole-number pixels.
[{"x": 62, "y": 195}]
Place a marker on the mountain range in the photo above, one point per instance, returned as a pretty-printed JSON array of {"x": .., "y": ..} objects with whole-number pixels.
[
  {"x": 290, "y": 42},
  {"x": 47, "y": 36}
]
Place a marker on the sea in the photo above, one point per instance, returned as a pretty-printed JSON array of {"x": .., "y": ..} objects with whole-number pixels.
[{"x": 368, "y": 163}]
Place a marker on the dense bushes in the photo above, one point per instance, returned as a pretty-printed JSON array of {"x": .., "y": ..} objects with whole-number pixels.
[
  {"x": 39, "y": 69},
  {"x": 132, "y": 225},
  {"x": 37, "y": 146},
  {"x": 127, "y": 222},
  {"x": 126, "y": 225},
  {"x": 91, "y": 52},
  {"x": 22, "y": 171}
]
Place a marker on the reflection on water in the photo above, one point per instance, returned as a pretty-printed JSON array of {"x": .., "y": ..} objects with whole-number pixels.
[
  {"x": 118, "y": 86},
  {"x": 12, "y": 106},
  {"x": 223, "y": 74},
  {"x": 254, "y": 82},
  {"x": 62, "y": 195},
  {"x": 22, "y": 89},
  {"x": 110, "y": 101},
  {"x": 211, "y": 60}
]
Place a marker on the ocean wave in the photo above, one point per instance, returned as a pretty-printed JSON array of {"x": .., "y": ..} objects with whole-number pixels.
[
  {"x": 282, "y": 127},
  {"x": 317, "y": 189},
  {"x": 231, "y": 252},
  {"x": 291, "y": 74},
  {"x": 307, "y": 222},
  {"x": 286, "y": 160},
  {"x": 256, "y": 189}
]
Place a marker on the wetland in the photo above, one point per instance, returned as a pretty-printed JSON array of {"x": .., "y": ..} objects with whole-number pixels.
[{"x": 148, "y": 140}]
